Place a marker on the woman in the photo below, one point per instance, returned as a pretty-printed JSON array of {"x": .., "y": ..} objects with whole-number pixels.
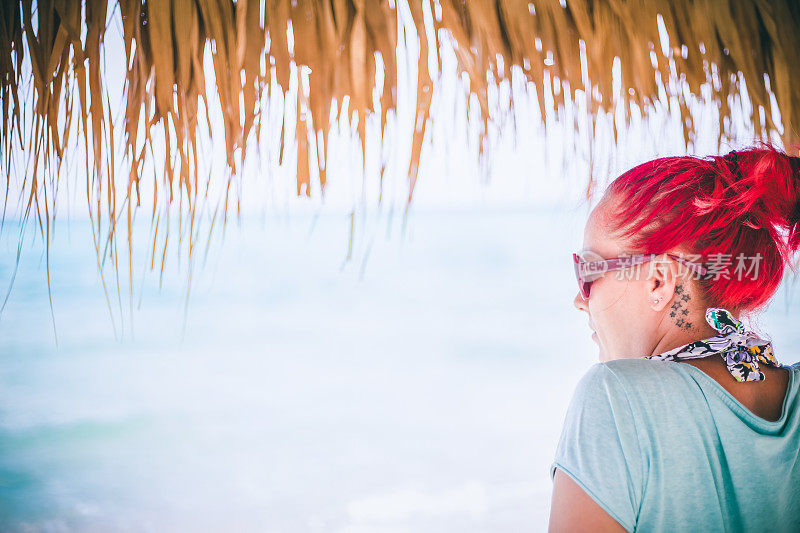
[{"x": 689, "y": 422}]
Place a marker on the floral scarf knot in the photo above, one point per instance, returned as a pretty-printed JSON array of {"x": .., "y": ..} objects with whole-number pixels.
[{"x": 741, "y": 350}]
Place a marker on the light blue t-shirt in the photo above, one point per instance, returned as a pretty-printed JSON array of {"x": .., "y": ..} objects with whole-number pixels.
[{"x": 661, "y": 446}]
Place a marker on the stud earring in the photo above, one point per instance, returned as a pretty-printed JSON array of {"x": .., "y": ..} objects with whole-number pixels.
[{"x": 657, "y": 300}]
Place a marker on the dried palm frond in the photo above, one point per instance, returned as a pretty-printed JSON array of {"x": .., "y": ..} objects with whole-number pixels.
[{"x": 566, "y": 50}]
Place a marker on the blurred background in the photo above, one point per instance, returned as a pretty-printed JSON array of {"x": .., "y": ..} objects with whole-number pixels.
[
  {"x": 334, "y": 363},
  {"x": 421, "y": 388}
]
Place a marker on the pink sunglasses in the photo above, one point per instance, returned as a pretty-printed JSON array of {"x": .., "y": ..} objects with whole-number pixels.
[{"x": 588, "y": 271}]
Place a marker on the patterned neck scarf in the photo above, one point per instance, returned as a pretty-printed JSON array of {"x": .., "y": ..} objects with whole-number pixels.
[{"x": 741, "y": 350}]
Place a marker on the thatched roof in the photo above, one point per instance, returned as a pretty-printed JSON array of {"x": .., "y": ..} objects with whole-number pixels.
[{"x": 566, "y": 51}]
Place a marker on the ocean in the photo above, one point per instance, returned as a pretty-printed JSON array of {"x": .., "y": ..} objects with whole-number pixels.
[{"x": 418, "y": 386}]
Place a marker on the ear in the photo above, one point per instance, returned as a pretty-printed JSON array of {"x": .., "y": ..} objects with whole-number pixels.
[{"x": 661, "y": 281}]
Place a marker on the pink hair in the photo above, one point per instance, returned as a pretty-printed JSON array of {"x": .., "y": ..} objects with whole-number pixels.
[{"x": 740, "y": 203}]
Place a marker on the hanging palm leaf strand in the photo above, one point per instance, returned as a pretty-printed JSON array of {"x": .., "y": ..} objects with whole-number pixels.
[{"x": 568, "y": 51}]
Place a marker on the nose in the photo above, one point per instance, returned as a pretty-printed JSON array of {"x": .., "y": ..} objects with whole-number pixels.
[{"x": 580, "y": 303}]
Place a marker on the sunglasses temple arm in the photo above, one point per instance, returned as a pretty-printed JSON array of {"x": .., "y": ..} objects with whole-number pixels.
[{"x": 694, "y": 266}]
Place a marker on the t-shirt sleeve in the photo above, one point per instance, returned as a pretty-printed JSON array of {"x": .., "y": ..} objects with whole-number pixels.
[{"x": 599, "y": 447}]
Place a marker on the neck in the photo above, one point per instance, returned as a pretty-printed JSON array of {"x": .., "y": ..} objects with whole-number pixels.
[{"x": 673, "y": 336}]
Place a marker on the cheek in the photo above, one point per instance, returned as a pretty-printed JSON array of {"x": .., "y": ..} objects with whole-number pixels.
[
  {"x": 607, "y": 295},
  {"x": 609, "y": 308}
]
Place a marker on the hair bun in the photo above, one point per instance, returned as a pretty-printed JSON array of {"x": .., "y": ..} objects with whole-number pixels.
[
  {"x": 767, "y": 180},
  {"x": 724, "y": 206}
]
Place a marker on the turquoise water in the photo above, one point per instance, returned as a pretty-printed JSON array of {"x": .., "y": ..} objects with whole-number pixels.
[{"x": 413, "y": 388}]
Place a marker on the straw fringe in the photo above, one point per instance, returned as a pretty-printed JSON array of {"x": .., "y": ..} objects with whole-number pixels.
[{"x": 566, "y": 52}]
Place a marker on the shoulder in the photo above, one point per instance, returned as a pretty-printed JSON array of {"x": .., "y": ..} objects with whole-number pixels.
[
  {"x": 631, "y": 376},
  {"x": 600, "y": 446},
  {"x": 642, "y": 369},
  {"x": 608, "y": 396},
  {"x": 630, "y": 396},
  {"x": 635, "y": 391}
]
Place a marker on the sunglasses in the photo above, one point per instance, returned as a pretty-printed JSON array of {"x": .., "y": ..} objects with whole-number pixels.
[{"x": 588, "y": 271}]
